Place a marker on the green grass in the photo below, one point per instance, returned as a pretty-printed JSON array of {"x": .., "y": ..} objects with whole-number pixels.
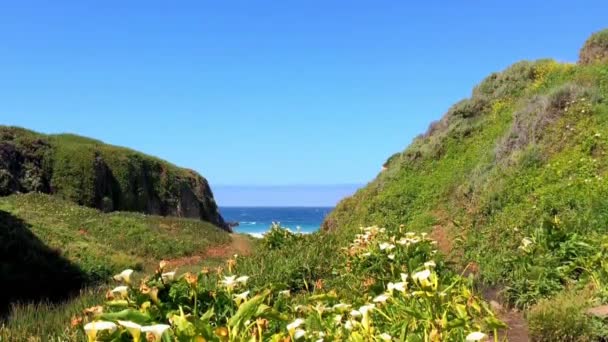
[{"x": 524, "y": 157}]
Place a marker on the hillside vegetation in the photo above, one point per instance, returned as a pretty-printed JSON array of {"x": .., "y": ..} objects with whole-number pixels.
[
  {"x": 51, "y": 248},
  {"x": 91, "y": 173},
  {"x": 511, "y": 181}
]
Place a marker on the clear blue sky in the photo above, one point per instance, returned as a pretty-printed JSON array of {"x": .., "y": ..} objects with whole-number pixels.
[{"x": 267, "y": 92}]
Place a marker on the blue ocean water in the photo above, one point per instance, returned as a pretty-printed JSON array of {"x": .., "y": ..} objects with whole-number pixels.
[{"x": 257, "y": 220}]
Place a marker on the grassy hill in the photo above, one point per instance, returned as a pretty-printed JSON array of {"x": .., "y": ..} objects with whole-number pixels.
[
  {"x": 98, "y": 175},
  {"x": 511, "y": 181},
  {"x": 51, "y": 247}
]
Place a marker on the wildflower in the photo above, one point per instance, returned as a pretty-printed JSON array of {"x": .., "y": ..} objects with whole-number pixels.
[
  {"x": 156, "y": 331},
  {"x": 299, "y": 333},
  {"x": 430, "y": 264},
  {"x": 162, "y": 264},
  {"x": 229, "y": 282},
  {"x": 241, "y": 297},
  {"x": 133, "y": 328},
  {"x": 366, "y": 308},
  {"x": 475, "y": 336},
  {"x": 291, "y": 327},
  {"x": 386, "y": 246},
  {"x": 75, "y": 321},
  {"x": 391, "y": 256},
  {"x": 525, "y": 242},
  {"x": 123, "y": 291},
  {"x": 242, "y": 279},
  {"x": 91, "y": 329},
  {"x": 150, "y": 292},
  {"x": 422, "y": 275},
  {"x": 396, "y": 286},
  {"x": 168, "y": 276},
  {"x": 191, "y": 279},
  {"x": 124, "y": 276},
  {"x": 381, "y": 298},
  {"x": 386, "y": 337},
  {"x": 404, "y": 277}
]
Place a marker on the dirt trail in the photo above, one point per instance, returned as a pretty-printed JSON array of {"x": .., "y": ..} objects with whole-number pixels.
[
  {"x": 239, "y": 244},
  {"x": 518, "y": 328}
]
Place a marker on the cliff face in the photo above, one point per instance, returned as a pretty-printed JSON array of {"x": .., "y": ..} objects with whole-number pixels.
[{"x": 102, "y": 176}]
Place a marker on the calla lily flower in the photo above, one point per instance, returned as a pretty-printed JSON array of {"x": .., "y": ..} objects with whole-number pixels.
[
  {"x": 91, "y": 329},
  {"x": 422, "y": 275},
  {"x": 366, "y": 308},
  {"x": 430, "y": 264},
  {"x": 168, "y": 276},
  {"x": 242, "y": 279},
  {"x": 285, "y": 293},
  {"x": 299, "y": 333},
  {"x": 241, "y": 297},
  {"x": 124, "y": 276},
  {"x": 386, "y": 246},
  {"x": 381, "y": 298},
  {"x": 386, "y": 337},
  {"x": 133, "y": 328},
  {"x": 291, "y": 327},
  {"x": 123, "y": 291},
  {"x": 229, "y": 282},
  {"x": 156, "y": 330},
  {"x": 396, "y": 286},
  {"x": 475, "y": 336},
  {"x": 391, "y": 256}
]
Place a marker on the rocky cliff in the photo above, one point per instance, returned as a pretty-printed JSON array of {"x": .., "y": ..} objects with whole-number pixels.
[{"x": 94, "y": 174}]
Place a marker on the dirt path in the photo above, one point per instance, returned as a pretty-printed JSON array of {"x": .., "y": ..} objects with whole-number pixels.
[
  {"x": 518, "y": 328},
  {"x": 239, "y": 245}
]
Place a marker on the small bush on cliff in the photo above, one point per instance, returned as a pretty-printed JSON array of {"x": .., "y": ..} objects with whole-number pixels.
[{"x": 595, "y": 48}]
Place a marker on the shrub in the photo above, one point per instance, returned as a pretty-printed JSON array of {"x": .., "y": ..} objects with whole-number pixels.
[
  {"x": 530, "y": 122},
  {"x": 595, "y": 48},
  {"x": 561, "y": 318}
]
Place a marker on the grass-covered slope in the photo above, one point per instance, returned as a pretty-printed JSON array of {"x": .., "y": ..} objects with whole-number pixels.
[
  {"x": 98, "y": 175},
  {"x": 50, "y": 247},
  {"x": 513, "y": 179}
]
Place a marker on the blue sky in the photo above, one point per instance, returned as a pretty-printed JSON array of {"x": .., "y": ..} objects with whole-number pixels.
[{"x": 267, "y": 92}]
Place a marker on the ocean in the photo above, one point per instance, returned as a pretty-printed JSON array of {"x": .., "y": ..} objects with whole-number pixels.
[{"x": 256, "y": 221}]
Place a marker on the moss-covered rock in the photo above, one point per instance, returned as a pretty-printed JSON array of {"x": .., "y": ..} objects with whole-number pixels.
[
  {"x": 595, "y": 48},
  {"x": 94, "y": 174}
]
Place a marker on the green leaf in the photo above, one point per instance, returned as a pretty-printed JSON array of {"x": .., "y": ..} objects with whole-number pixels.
[{"x": 127, "y": 315}]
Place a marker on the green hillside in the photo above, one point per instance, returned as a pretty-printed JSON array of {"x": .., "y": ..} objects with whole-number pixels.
[
  {"x": 98, "y": 175},
  {"x": 51, "y": 247},
  {"x": 511, "y": 181}
]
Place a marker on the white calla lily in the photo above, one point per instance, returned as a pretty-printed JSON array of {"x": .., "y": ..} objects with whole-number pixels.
[
  {"x": 91, "y": 329},
  {"x": 156, "y": 330},
  {"x": 124, "y": 276},
  {"x": 475, "y": 336}
]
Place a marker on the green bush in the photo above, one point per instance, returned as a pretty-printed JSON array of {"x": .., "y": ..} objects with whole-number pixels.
[
  {"x": 561, "y": 318},
  {"x": 595, "y": 48}
]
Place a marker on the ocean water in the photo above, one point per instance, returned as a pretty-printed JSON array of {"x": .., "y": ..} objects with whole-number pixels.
[{"x": 257, "y": 220}]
